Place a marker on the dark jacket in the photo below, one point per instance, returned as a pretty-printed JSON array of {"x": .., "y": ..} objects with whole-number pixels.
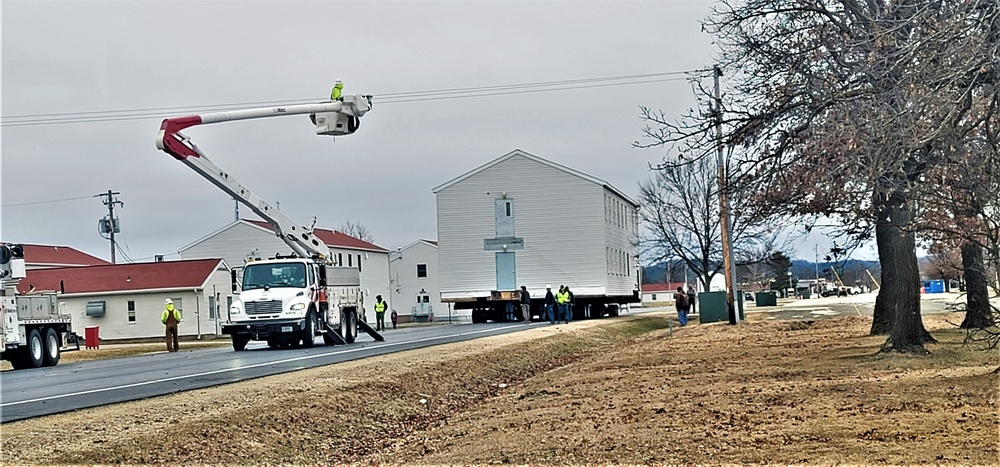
[
  {"x": 525, "y": 297},
  {"x": 549, "y": 298}
]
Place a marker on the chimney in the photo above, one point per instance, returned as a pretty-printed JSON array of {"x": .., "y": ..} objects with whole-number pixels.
[{"x": 158, "y": 258}]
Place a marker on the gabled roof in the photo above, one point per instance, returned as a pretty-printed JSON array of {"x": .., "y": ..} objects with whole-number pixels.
[
  {"x": 331, "y": 238},
  {"x": 668, "y": 287},
  {"x": 122, "y": 277},
  {"x": 518, "y": 152},
  {"x": 432, "y": 243},
  {"x": 58, "y": 256}
]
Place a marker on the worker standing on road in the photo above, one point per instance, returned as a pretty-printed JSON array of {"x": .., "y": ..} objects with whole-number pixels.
[
  {"x": 525, "y": 304},
  {"x": 562, "y": 298},
  {"x": 171, "y": 317},
  {"x": 380, "y": 308},
  {"x": 550, "y": 304},
  {"x": 691, "y": 299},
  {"x": 335, "y": 94}
]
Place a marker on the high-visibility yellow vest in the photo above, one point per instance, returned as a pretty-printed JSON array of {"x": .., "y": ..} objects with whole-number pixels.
[
  {"x": 562, "y": 298},
  {"x": 165, "y": 315},
  {"x": 380, "y": 307}
]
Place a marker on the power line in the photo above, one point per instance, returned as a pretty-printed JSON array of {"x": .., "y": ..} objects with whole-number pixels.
[
  {"x": 387, "y": 98},
  {"x": 46, "y": 202}
]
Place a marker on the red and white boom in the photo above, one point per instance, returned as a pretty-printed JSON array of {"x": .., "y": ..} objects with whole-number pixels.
[{"x": 336, "y": 118}]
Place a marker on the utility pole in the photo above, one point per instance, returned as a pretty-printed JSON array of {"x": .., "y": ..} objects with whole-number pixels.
[
  {"x": 110, "y": 224},
  {"x": 727, "y": 246}
]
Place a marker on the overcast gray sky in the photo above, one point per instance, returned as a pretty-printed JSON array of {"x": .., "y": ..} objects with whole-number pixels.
[{"x": 61, "y": 57}]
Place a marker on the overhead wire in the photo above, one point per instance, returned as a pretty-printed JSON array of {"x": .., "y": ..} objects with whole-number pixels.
[{"x": 386, "y": 98}]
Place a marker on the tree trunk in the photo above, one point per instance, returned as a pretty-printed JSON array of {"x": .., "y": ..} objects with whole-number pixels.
[
  {"x": 900, "y": 294},
  {"x": 977, "y": 313},
  {"x": 884, "y": 312}
]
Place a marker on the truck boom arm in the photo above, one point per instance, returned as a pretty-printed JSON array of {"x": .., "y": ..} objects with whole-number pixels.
[{"x": 299, "y": 238}]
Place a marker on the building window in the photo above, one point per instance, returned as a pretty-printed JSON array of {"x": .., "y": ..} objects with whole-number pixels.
[
  {"x": 340, "y": 259},
  {"x": 654, "y": 297},
  {"x": 179, "y": 306},
  {"x": 359, "y": 263},
  {"x": 350, "y": 261},
  {"x": 211, "y": 307},
  {"x": 131, "y": 311},
  {"x": 421, "y": 270}
]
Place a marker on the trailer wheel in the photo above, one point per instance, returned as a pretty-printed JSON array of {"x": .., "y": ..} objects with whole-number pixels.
[
  {"x": 477, "y": 316},
  {"x": 52, "y": 345},
  {"x": 597, "y": 310},
  {"x": 240, "y": 342},
  {"x": 309, "y": 333},
  {"x": 613, "y": 310}
]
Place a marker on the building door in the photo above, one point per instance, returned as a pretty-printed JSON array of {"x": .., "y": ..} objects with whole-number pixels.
[{"x": 506, "y": 271}]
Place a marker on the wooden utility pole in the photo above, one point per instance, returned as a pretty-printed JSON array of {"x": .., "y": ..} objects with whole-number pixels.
[
  {"x": 727, "y": 246},
  {"x": 111, "y": 224}
]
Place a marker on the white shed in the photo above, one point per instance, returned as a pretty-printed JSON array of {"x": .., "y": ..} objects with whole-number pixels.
[
  {"x": 415, "y": 279},
  {"x": 523, "y": 220},
  {"x": 244, "y": 238}
]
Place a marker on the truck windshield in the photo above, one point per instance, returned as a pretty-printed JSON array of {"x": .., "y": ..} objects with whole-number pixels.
[{"x": 259, "y": 276}]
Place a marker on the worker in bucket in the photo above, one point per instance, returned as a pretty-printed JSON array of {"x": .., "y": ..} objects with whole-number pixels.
[
  {"x": 336, "y": 94},
  {"x": 171, "y": 317}
]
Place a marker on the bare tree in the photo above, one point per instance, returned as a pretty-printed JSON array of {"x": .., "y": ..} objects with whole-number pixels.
[
  {"x": 357, "y": 230},
  {"x": 680, "y": 211}
]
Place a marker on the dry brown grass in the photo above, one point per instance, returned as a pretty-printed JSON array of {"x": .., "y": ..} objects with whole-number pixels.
[{"x": 617, "y": 391}]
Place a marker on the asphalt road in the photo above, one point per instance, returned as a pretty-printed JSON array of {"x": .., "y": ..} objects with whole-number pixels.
[{"x": 66, "y": 387}]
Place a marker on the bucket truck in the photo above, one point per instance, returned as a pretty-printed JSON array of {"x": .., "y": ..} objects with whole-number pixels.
[
  {"x": 285, "y": 300},
  {"x": 32, "y": 327}
]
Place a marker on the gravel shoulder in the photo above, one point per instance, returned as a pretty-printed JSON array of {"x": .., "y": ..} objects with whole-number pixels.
[{"x": 628, "y": 390}]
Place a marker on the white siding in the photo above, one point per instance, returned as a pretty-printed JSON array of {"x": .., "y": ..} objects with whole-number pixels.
[
  {"x": 622, "y": 251},
  {"x": 560, "y": 216},
  {"x": 114, "y": 325},
  {"x": 406, "y": 284}
]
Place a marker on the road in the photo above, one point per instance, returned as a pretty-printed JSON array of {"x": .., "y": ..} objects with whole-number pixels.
[{"x": 66, "y": 387}]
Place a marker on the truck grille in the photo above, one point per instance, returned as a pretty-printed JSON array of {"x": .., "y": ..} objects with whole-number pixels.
[{"x": 265, "y": 307}]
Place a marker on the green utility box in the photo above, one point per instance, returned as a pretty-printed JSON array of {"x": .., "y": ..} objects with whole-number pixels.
[
  {"x": 712, "y": 307},
  {"x": 766, "y": 298}
]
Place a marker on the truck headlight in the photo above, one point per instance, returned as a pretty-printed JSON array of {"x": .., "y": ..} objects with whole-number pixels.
[
  {"x": 235, "y": 310},
  {"x": 298, "y": 306}
]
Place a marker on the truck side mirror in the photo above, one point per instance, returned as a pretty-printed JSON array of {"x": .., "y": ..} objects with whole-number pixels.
[{"x": 235, "y": 286}]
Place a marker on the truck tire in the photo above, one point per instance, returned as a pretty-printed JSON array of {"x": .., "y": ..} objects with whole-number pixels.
[
  {"x": 613, "y": 310},
  {"x": 349, "y": 326},
  {"x": 309, "y": 333},
  {"x": 52, "y": 345},
  {"x": 240, "y": 342},
  {"x": 597, "y": 310},
  {"x": 32, "y": 355}
]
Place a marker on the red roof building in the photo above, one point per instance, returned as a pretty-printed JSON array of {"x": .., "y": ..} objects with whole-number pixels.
[
  {"x": 331, "y": 238},
  {"x": 121, "y": 278},
  {"x": 57, "y": 256}
]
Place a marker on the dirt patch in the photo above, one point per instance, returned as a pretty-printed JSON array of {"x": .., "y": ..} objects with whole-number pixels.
[{"x": 617, "y": 391}]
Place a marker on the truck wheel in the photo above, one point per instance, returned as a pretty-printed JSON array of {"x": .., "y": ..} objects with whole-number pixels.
[
  {"x": 240, "y": 342},
  {"x": 309, "y": 333},
  {"x": 597, "y": 310},
  {"x": 35, "y": 351},
  {"x": 351, "y": 330},
  {"x": 52, "y": 345},
  {"x": 613, "y": 311}
]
